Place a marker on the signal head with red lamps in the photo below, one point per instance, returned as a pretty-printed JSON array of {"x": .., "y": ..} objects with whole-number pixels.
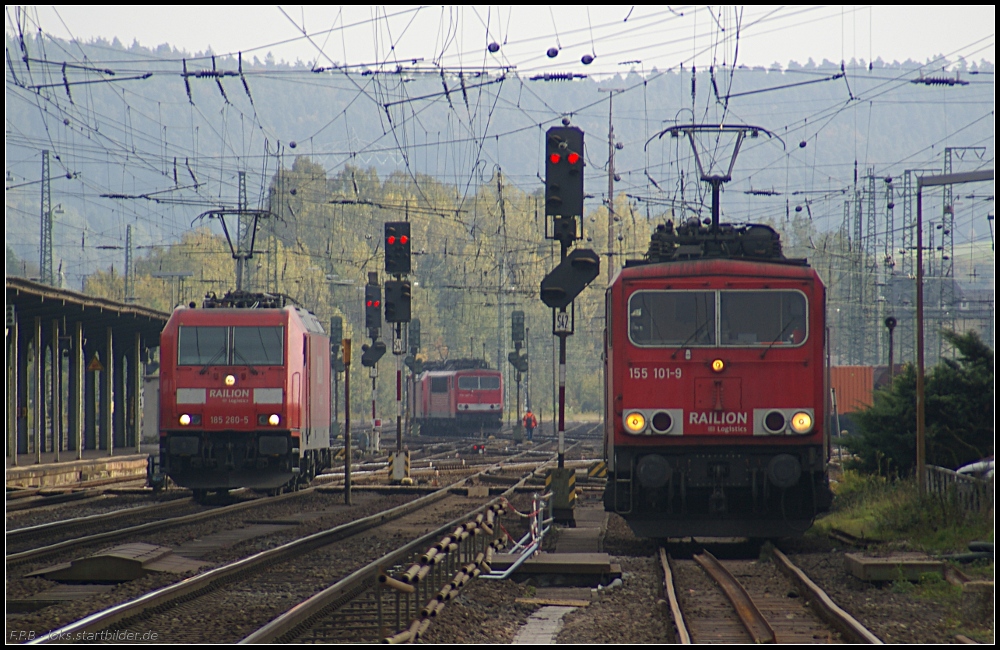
[
  {"x": 397, "y": 247},
  {"x": 564, "y": 172}
]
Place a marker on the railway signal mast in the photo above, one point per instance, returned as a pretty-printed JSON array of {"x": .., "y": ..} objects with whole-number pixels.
[
  {"x": 370, "y": 354},
  {"x": 336, "y": 367},
  {"x": 564, "y": 204},
  {"x": 518, "y": 360},
  {"x": 415, "y": 365},
  {"x": 397, "y": 311}
]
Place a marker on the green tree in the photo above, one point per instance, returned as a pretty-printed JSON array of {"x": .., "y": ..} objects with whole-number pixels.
[
  {"x": 960, "y": 403},
  {"x": 959, "y": 413}
]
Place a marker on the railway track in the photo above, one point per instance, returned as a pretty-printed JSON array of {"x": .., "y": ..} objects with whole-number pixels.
[
  {"x": 395, "y": 597},
  {"x": 743, "y": 601},
  {"x": 65, "y": 527},
  {"x": 75, "y": 544},
  {"x": 38, "y": 542},
  {"x": 25, "y": 500},
  {"x": 223, "y": 603}
]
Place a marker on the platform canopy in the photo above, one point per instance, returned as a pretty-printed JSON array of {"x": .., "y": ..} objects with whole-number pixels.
[{"x": 33, "y": 299}]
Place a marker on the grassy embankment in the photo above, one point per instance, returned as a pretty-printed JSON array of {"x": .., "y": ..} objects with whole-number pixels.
[{"x": 892, "y": 514}]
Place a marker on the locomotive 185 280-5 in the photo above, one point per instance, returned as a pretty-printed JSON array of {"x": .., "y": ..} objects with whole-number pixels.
[{"x": 244, "y": 394}]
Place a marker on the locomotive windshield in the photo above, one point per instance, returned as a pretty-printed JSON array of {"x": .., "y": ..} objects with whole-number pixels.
[
  {"x": 478, "y": 383},
  {"x": 717, "y": 318},
  {"x": 199, "y": 346},
  {"x": 258, "y": 346},
  {"x": 672, "y": 318},
  {"x": 762, "y": 317},
  {"x": 203, "y": 346}
]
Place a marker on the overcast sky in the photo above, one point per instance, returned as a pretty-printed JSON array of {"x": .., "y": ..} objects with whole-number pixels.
[{"x": 636, "y": 36}]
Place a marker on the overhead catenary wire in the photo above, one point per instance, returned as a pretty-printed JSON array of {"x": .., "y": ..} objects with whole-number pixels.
[{"x": 406, "y": 146}]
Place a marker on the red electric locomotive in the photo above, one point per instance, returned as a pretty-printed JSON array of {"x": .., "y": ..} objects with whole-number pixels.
[
  {"x": 716, "y": 386},
  {"x": 244, "y": 394},
  {"x": 458, "y": 396}
]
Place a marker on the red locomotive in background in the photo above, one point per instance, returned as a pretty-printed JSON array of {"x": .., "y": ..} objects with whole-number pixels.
[
  {"x": 716, "y": 386},
  {"x": 458, "y": 396},
  {"x": 244, "y": 394}
]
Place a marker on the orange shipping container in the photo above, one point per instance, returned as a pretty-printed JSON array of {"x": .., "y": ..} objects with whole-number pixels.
[{"x": 854, "y": 387}]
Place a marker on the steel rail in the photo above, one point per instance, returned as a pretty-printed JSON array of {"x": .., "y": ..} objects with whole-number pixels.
[
  {"x": 86, "y": 487},
  {"x": 76, "y": 498},
  {"x": 823, "y": 605},
  {"x": 756, "y": 625},
  {"x": 683, "y": 635},
  {"x": 43, "y": 529},
  {"x": 111, "y": 535}
]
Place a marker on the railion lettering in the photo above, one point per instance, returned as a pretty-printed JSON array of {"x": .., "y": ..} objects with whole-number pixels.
[
  {"x": 717, "y": 417},
  {"x": 229, "y": 393}
]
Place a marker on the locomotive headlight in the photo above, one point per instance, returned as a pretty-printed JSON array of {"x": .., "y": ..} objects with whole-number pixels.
[
  {"x": 718, "y": 365},
  {"x": 274, "y": 420},
  {"x": 635, "y": 422},
  {"x": 185, "y": 420},
  {"x": 230, "y": 380},
  {"x": 802, "y": 422}
]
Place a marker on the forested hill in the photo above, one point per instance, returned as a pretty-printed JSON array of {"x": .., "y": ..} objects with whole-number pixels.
[
  {"x": 150, "y": 146},
  {"x": 146, "y": 141}
]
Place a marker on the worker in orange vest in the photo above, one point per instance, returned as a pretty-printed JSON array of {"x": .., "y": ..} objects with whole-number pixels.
[{"x": 530, "y": 423}]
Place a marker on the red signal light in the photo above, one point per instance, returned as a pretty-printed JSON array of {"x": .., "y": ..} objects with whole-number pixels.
[
  {"x": 369, "y": 303},
  {"x": 554, "y": 158},
  {"x": 391, "y": 240},
  {"x": 573, "y": 158},
  {"x": 403, "y": 239},
  {"x": 378, "y": 302}
]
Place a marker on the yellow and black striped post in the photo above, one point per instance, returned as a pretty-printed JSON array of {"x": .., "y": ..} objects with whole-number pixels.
[
  {"x": 561, "y": 483},
  {"x": 599, "y": 469},
  {"x": 399, "y": 466}
]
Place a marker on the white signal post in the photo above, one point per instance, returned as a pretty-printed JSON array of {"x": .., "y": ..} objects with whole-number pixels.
[
  {"x": 561, "y": 317},
  {"x": 400, "y": 462},
  {"x": 375, "y": 443},
  {"x": 397, "y": 351},
  {"x": 346, "y": 347}
]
